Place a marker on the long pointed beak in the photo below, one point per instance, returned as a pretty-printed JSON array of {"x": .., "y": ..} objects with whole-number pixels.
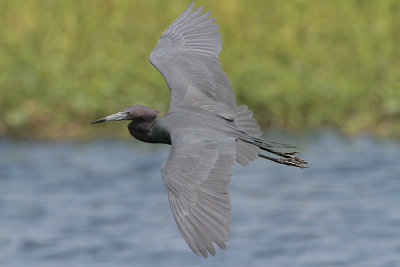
[{"x": 115, "y": 117}]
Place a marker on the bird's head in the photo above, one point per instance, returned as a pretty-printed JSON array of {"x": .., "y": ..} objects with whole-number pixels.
[{"x": 133, "y": 113}]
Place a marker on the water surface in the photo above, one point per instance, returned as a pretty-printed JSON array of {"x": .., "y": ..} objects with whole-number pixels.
[{"x": 103, "y": 203}]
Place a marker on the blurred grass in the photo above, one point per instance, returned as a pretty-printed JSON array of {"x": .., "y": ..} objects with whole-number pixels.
[{"x": 299, "y": 65}]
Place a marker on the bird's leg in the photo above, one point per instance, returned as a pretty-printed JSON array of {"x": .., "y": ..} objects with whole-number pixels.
[{"x": 287, "y": 158}]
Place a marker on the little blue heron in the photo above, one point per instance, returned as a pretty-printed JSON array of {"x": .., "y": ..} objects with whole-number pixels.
[{"x": 205, "y": 128}]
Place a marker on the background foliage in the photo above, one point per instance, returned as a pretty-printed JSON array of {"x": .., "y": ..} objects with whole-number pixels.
[{"x": 299, "y": 65}]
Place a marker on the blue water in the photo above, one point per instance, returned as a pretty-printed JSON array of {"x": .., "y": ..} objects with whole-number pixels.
[{"x": 103, "y": 203}]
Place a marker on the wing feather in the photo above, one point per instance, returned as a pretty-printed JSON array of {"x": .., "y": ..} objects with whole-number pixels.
[
  {"x": 187, "y": 57},
  {"x": 197, "y": 173}
]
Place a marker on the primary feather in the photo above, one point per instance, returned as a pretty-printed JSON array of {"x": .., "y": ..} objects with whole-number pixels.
[
  {"x": 197, "y": 173},
  {"x": 187, "y": 57}
]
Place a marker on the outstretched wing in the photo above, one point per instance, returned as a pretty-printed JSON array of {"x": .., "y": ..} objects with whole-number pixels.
[
  {"x": 197, "y": 173},
  {"x": 187, "y": 57}
]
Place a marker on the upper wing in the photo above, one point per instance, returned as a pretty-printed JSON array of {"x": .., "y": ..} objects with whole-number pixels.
[
  {"x": 187, "y": 57},
  {"x": 197, "y": 173}
]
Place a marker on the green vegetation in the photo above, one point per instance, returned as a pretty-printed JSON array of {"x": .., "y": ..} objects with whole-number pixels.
[{"x": 299, "y": 65}]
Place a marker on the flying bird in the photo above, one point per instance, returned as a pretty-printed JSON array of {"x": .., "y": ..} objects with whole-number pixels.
[{"x": 207, "y": 131}]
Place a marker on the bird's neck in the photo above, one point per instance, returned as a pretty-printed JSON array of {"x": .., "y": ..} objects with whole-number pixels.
[
  {"x": 141, "y": 130},
  {"x": 145, "y": 131}
]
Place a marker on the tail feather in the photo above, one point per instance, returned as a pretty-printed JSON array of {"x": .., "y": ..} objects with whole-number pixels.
[
  {"x": 244, "y": 121},
  {"x": 249, "y": 143},
  {"x": 246, "y": 152}
]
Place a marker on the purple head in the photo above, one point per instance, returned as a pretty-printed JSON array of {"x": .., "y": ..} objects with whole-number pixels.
[{"x": 135, "y": 112}]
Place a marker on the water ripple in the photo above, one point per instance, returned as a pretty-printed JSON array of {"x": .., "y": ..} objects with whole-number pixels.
[{"x": 103, "y": 203}]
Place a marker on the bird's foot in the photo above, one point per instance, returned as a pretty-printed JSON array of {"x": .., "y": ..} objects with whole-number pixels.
[{"x": 288, "y": 159}]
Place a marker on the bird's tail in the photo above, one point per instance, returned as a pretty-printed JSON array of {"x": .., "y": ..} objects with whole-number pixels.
[
  {"x": 250, "y": 145},
  {"x": 244, "y": 122}
]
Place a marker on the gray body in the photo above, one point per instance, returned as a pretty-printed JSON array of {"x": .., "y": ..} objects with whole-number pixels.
[
  {"x": 195, "y": 120},
  {"x": 205, "y": 128}
]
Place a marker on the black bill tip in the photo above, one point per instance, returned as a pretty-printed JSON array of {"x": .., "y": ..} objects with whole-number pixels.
[{"x": 100, "y": 120}]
